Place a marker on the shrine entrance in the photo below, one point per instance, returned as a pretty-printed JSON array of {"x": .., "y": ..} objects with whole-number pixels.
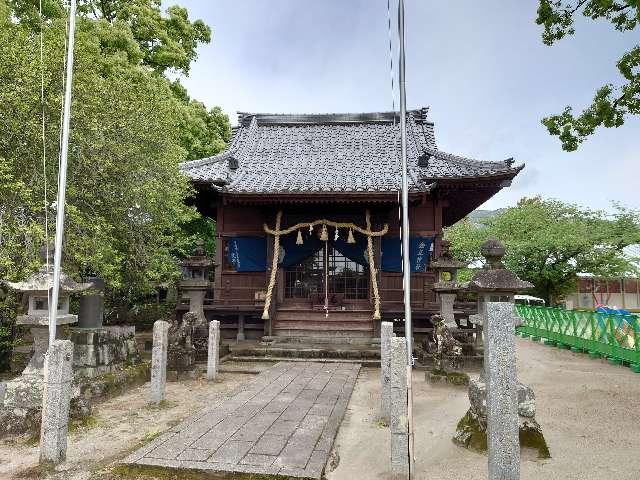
[{"x": 327, "y": 276}]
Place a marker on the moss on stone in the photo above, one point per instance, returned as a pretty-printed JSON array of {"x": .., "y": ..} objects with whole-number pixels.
[
  {"x": 470, "y": 434},
  {"x": 533, "y": 438},
  {"x": 458, "y": 378}
]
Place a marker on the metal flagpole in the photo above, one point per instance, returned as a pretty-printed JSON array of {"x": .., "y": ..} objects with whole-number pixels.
[
  {"x": 62, "y": 177},
  {"x": 406, "y": 266}
]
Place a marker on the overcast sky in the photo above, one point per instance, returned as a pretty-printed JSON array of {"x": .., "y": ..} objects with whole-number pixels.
[{"x": 480, "y": 66}]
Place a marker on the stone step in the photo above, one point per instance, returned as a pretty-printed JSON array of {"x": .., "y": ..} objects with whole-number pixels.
[
  {"x": 368, "y": 362},
  {"x": 322, "y": 338}
]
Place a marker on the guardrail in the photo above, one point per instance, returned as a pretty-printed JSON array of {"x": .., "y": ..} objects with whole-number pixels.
[{"x": 615, "y": 337}]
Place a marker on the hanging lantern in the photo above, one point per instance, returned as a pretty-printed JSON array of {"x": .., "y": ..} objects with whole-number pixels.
[
  {"x": 350, "y": 238},
  {"x": 299, "y": 240},
  {"x": 337, "y": 235},
  {"x": 324, "y": 236}
]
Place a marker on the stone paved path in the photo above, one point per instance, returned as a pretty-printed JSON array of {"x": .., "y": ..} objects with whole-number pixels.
[{"x": 282, "y": 422}]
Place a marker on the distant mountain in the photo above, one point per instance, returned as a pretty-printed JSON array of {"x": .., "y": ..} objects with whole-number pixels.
[{"x": 477, "y": 215}]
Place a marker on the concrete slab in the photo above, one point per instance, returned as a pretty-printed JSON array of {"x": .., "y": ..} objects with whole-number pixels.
[{"x": 282, "y": 422}]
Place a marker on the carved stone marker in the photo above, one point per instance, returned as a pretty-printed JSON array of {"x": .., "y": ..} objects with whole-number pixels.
[
  {"x": 398, "y": 415},
  {"x": 159, "y": 360},
  {"x": 58, "y": 375},
  {"x": 213, "y": 357},
  {"x": 502, "y": 399},
  {"x": 386, "y": 334}
]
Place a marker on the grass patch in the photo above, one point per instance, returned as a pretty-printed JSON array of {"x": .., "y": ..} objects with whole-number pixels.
[
  {"x": 163, "y": 405},
  {"x": 86, "y": 423},
  {"x": 382, "y": 423},
  {"x": 145, "y": 472}
]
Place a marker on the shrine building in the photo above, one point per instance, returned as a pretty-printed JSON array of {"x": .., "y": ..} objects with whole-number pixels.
[{"x": 307, "y": 215}]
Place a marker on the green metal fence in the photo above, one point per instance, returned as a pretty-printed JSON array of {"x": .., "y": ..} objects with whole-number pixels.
[{"x": 613, "y": 336}]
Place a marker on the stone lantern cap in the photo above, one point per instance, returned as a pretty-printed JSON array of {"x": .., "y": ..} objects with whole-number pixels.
[
  {"x": 446, "y": 261},
  {"x": 42, "y": 282},
  {"x": 198, "y": 258},
  {"x": 494, "y": 276}
]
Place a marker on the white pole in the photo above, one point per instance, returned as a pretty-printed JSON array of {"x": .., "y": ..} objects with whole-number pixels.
[
  {"x": 406, "y": 265},
  {"x": 62, "y": 177}
]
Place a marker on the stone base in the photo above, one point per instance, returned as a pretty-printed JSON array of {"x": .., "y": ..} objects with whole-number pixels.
[
  {"x": 442, "y": 377},
  {"x": 98, "y": 351},
  {"x": 471, "y": 434},
  {"x": 21, "y": 398}
]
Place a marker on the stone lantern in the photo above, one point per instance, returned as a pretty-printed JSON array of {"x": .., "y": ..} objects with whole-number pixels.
[
  {"x": 494, "y": 283},
  {"x": 35, "y": 292},
  {"x": 195, "y": 280},
  {"x": 446, "y": 268}
]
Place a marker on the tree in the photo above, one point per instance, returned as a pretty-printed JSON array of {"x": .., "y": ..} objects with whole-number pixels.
[
  {"x": 137, "y": 32},
  {"x": 611, "y": 104},
  {"x": 548, "y": 242},
  {"x": 126, "y": 211}
]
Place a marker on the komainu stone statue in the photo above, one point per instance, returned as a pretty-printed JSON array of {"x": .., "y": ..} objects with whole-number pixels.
[
  {"x": 447, "y": 347},
  {"x": 446, "y": 352}
]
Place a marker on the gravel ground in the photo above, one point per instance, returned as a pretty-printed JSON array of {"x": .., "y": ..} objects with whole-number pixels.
[
  {"x": 589, "y": 411},
  {"x": 119, "y": 426}
]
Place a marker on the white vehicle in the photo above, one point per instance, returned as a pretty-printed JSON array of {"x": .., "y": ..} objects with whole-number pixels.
[{"x": 529, "y": 300}]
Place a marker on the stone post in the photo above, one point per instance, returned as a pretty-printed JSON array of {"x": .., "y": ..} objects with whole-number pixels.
[
  {"x": 55, "y": 405},
  {"x": 502, "y": 398},
  {"x": 159, "y": 360},
  {"x": 240, "y": 336},
  {"x": 213, "y": 352},
  {"x": 386, "y": 333},
  {"x": 398, "y": 415}
]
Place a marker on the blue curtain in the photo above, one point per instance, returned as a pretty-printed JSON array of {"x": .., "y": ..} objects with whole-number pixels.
[
  {"x": 419, "y": 251},
  {"x": 356, "y": 252},
  {"x": 248, "y": 254},
  {"x": 294, "y": 254}
]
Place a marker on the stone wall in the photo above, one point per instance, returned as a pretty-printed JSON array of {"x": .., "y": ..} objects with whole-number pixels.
[{"x": 103, "y": 350}]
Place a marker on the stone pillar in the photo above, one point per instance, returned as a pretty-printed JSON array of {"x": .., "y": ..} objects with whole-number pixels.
[
  {"x": 386, "y": 333},
  {"x": 502, "y": 398},
  {"x": 213, "y": 352},
  {"x": 58, "y": 373},
  {"x": 398, "y": 415},
  {"x": 240, "y": 335},
  {"x": 446, "y": 309},
  {"x": 159, "y": 360}
]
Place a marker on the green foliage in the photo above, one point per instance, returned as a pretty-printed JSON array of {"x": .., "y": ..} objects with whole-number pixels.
[
  {"x": 202, "y": 228},
  {"x": 548, "y": 242},
  {"x": 611, "y": 104},
  {"x": 126, "y": 211},
  {"x": 7, "y": 322}
]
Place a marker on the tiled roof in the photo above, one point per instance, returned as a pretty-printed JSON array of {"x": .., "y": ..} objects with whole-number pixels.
[{"x": 273, "y": 153}]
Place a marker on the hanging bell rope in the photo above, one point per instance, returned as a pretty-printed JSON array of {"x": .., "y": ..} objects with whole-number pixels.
[
  {"x": 373, "y": 270},
  {"x": 350, "y": 238},
  {"x": 299, "y": 240},
  {"x": 274, "y": 268}
]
